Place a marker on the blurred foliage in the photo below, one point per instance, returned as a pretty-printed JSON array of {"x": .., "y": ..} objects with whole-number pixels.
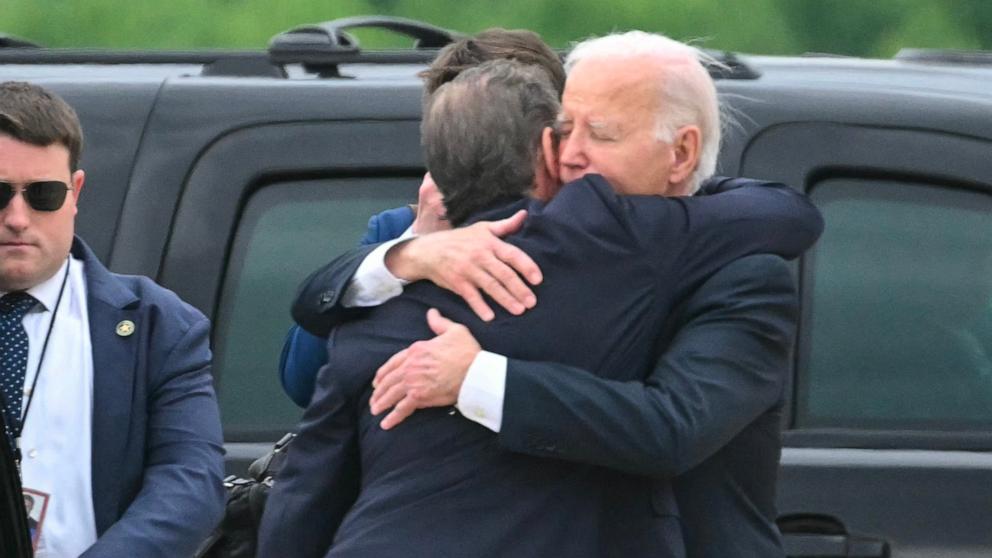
[{"x": 853, "y": 27}]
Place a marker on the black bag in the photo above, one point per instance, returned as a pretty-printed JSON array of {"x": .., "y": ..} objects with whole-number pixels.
[{"x": 237, "y": 534}]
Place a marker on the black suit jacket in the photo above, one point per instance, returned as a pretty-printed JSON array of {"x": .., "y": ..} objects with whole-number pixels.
[{"x": 441, "y": 485}]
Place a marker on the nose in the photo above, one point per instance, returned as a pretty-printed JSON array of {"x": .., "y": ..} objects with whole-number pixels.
[
  {"x": 16, "y": 216},
  {"x": 573, "y": 156}
]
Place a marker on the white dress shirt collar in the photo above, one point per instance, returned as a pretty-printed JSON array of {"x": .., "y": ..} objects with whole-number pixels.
[{"x": 47, "y": 292}]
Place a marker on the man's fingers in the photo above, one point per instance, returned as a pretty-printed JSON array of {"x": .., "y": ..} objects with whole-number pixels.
[
  {"x": 509, "y": 290},
  {"x": 438, "y": 323},
  {"x": 483, "y": 278},
  {"x": 474, "y": 299},
  {"x": 386, "y": 398},
  {"x": 520, "y": 262},
  {"x": 492, "y": 286},
  {"x": 403, "y": 409},
  {"x": 501, "y": 283},
  {"x": 386, "y": 369},
  {"x": 509, "y": 225}
]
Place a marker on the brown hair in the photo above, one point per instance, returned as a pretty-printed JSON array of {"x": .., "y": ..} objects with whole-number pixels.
[
  {"x": 481, "y": 134},
  {"x": 32, "y": 114},
  {"x": 525, "y": 47}
]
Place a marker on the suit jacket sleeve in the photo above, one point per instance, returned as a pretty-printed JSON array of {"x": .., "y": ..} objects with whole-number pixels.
[
  {"x": 182, "y": 496},
  {"x": 320, "y": 479},
  {"x": 706, "y": 232},
  {"x": 317, "y": 307},
  {"x": 727, "y": 365}
]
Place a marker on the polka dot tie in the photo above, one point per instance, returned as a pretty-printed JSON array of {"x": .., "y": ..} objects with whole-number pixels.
[{"x": 13, "y": 357}]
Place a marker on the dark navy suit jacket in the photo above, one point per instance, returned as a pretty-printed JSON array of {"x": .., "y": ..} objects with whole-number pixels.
[
  {"x": 157, "y": 456},
  {"x": 709, "y": 414},
  {"x": 441, "y": 485},
  {"x": 717, "y": 391}
]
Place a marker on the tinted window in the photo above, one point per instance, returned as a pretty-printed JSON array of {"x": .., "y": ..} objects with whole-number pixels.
[
  {"x": 286, "y": 231},
  {"x": 898, "y": 309}
]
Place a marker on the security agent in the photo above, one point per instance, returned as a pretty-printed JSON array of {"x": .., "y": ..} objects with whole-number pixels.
[{"x": 105, "y": 378}]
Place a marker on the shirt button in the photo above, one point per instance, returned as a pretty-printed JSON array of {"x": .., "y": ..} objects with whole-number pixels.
[
  {"x": 479, "y": 412},
  {"x": 32, "y": 453},
  {"x": 27, "y": 392}
]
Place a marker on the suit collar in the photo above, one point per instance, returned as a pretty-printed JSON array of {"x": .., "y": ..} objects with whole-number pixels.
[
  {"x": 100, "y": 283},
  {"x": 110, "y": 302},
  {"x": 502, "y": 210}
]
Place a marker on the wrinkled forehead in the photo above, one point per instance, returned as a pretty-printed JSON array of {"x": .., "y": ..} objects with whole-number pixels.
[
  {"x": 24, "y": 162},
  {"x": 622, "y": 89}
]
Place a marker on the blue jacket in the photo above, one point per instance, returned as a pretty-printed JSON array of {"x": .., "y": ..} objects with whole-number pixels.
[{"x": 157, "y": 456}]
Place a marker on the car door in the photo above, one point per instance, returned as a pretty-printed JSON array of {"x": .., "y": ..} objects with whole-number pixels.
[
  {"x": 275, "y": 187},
  {"x": 887, "y": 443}
]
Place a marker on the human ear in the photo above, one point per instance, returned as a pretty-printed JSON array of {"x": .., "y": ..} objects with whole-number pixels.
[
  {"x": 546, "y": 178},
  {"x": 549, "y": 149},
  {"x": 686, "y": 147},
  {"x": 77, "y": 179}
]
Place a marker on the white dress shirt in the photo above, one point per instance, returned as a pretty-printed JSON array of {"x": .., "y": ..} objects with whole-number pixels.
[
  {"x": 484, "y": 388},
  {"x": 56, "y": 438}
]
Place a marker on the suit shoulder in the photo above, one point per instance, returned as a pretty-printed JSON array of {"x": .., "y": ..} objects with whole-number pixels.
[
  {"x": 758, "y": 273},
  {"x": 766, "y": 265},
  {"x": 588, "y": 203},
  {"x": 155, "y": 298}
]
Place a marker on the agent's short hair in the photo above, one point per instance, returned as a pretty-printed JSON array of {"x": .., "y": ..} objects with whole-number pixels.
[
  {"x": 481, "y": 135},
  {"x": 520, "y": 45},
  {"x": 32, "y": 114}
]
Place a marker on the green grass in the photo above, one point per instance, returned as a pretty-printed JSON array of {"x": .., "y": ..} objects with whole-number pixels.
[{"x": 856, "y": 27}]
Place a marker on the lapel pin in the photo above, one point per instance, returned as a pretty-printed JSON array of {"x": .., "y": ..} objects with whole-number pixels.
[{"x": 125, "y": 328}]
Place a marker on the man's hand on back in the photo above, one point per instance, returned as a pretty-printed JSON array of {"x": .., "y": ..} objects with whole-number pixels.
[
  {"x": 470, "y": 261},
  {"x": 426, "y": 374}
]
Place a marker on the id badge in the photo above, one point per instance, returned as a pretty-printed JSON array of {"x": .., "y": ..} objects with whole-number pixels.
[{"x": 36, "y": 505}]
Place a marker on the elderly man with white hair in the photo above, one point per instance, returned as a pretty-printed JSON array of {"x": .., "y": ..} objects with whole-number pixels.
[{"x": 640, "y": 110}]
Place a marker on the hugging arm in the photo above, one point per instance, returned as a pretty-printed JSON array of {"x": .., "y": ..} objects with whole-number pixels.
[
  {"x": 742, "y": 217},
  {"x": 727, "y": 364},
  {"x": 318, "y": 305}
]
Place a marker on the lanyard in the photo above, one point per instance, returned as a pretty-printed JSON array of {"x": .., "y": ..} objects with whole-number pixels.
[{"x": 37, "y": 372}]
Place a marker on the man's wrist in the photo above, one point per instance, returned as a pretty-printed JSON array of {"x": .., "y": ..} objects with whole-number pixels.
[
  {"x": 401, "y": 260},
  {"x": 373, "y": 284},
  {"x": 480, "y": 398}
]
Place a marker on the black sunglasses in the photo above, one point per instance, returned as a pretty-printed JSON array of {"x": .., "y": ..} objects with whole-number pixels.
[{"x": 46, "y": 195}]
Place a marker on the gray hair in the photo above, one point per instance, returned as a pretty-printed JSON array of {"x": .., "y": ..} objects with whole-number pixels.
[
  {"x": 689, "y": 97},
  {"x": 481, "y": 135}
]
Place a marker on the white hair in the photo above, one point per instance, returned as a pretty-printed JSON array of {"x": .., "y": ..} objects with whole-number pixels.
[{"x": 688, "y": 97}]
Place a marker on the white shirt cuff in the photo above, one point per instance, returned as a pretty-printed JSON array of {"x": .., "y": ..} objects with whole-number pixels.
[
  {"x": 481, "y": 396},
  {"x": 372, "y": 283}
]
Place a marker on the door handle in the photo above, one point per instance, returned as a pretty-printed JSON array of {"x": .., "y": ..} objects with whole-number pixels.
[
  {"x": 798, "y": 545},
  {"x": 823, "y": 536}
]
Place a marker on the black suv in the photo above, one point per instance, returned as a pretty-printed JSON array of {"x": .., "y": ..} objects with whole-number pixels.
[{"x": 229, "y": 176}]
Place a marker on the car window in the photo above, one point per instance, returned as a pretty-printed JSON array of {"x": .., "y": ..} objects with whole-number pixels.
[
  {"x": 899, "y": 301},
  {"x": 286, "y": 231}
]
